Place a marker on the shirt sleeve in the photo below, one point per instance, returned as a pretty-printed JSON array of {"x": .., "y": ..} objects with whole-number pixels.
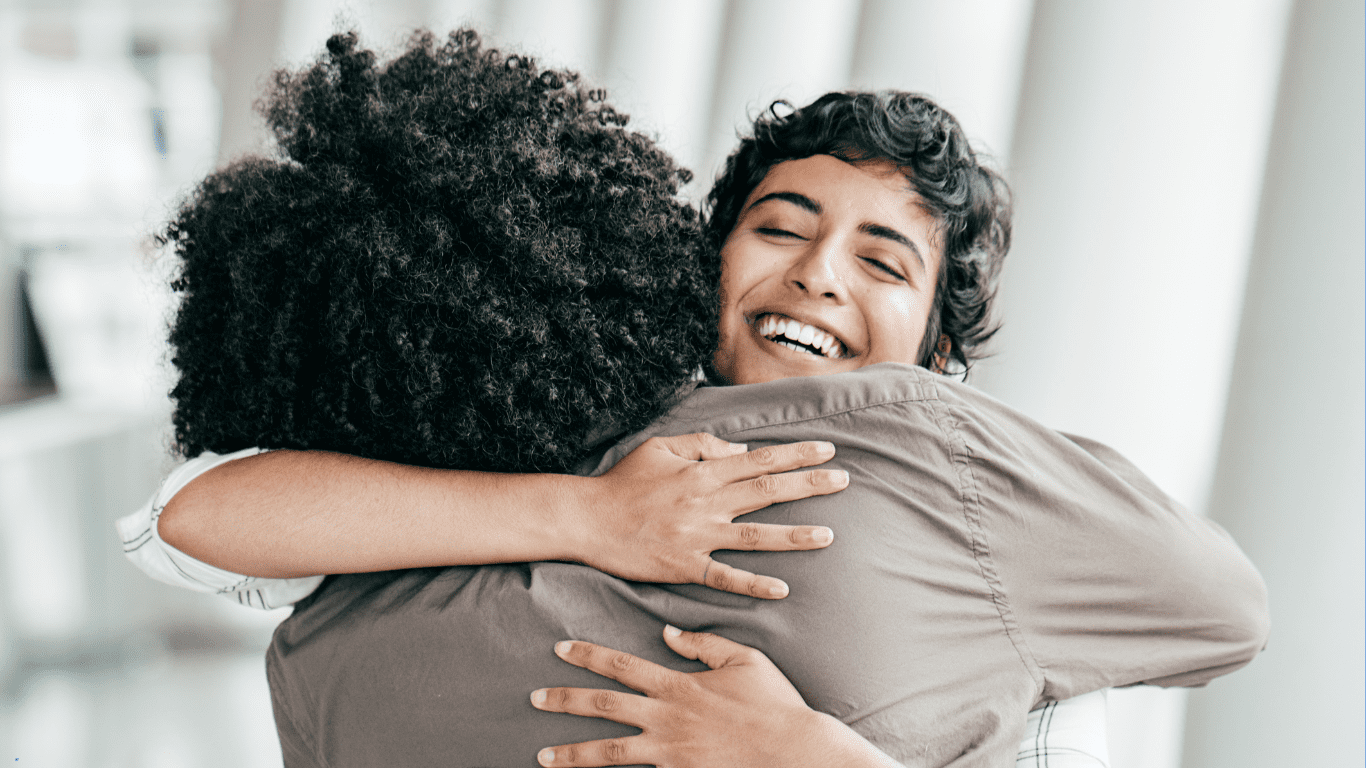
[
  {"x": 163, "y": 562},
  {"x": 1067, "y": 734},
  {"x": 1103, "y": 579}
]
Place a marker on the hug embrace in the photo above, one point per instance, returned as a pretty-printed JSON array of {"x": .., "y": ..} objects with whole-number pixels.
[{"x": 464, "y": 380}]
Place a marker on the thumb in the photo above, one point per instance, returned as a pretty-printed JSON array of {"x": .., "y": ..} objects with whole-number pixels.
[
  {"x": 701, "y": 446},
  {"x": 713, "y": 650}
]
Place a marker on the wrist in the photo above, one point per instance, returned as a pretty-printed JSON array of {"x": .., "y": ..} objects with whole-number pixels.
[
  {"x": 570, "y": 517},
  {"x": 831, "y": 742}
]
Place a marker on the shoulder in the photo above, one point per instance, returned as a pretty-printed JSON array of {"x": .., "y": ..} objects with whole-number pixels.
[{"x": 809, "y": 397}]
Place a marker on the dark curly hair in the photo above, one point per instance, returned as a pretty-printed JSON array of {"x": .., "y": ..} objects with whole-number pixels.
[
  {"x": 455, "y": 259},
  {"x": 970, "y": 201}
]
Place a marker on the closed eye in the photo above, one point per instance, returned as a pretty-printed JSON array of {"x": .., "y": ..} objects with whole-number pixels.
[
  {"x": 884, "y": 268},
  {"x": 775, "y": 232}
]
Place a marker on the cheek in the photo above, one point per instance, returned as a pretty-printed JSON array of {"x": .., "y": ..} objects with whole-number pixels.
[
  {"x": 897, "y": 324},
  {"x": 740, "y": 271}
]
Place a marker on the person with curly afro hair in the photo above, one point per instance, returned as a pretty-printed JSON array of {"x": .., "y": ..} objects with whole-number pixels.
[
  {"x": 456, "y": 260},
  {"x": 461, "y": 265}
]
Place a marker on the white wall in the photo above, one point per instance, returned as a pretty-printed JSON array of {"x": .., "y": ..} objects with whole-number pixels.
[{"x": 1289, "y": 483}]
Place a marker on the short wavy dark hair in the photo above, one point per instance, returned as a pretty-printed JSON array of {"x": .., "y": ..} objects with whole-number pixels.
[
  {"x": 454, "y": 259},
  {"x": 969, "y": 200}
]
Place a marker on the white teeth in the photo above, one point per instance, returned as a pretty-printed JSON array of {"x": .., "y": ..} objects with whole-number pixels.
[{"x": 774, "y": 328}]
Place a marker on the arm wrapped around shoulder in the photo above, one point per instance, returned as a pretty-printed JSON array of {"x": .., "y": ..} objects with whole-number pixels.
[
  {"x": 1214, "y": 598},
  {"x": 1105, "y": 580}
]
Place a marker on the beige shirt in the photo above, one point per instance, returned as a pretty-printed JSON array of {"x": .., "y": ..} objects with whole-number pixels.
[{"x": 1017, "y": 565}]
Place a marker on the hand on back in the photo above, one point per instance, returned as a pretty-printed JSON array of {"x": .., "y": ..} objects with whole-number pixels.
[
  {"x": 741, "y": 712},
  {"x": 663, "y": 509}
]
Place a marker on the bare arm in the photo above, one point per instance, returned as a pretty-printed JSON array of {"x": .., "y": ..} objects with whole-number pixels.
[{"x": 655, "y": 516}]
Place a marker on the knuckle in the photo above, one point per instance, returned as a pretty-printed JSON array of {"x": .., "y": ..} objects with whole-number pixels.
[
  {"x": 722, "y": 579},
  {"x": 568, "y": 754},
  {"x": 765, "y": 457},
  {"x": 615, "y": 750},
  {"x": 794, "y": 536},
  {"x": 750, "y": 534},
  {"x": 557, "y": 698},
  {"x": 766, "y": 486},
  {"x": 621, "y": 662},
  {"x": 606, "y": 701}
]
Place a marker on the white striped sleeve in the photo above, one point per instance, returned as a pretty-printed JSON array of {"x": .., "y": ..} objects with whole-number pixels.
[
  {"x": 1067, "y": 734},
  {"x": 163, "y": 562}
]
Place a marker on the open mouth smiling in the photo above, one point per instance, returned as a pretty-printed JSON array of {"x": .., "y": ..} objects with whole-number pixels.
[{"x": 799, "y": 336}]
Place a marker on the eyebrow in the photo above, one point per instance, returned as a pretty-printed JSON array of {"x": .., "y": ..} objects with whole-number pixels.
[
  {"x": 875, "y": 230},
  {"x": 801, "y": 201}
]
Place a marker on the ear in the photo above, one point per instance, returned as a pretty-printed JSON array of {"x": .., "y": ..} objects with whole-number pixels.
[{"x": 942, "y": 350}]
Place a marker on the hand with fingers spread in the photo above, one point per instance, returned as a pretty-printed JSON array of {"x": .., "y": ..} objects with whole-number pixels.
[
  {"x": 661, "y": 511},
  {"x": 742, "y": 712}
]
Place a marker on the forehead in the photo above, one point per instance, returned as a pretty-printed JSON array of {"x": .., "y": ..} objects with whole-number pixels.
[{"x": 875, "y": 187}]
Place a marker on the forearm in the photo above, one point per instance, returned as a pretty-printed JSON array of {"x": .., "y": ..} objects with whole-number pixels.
[
  {"x": 834, "y": 743},
  {"x": 286, "y": 514}
]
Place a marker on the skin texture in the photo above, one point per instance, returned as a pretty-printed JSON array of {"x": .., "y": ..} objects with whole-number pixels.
[
  {"x": 656, "y": 516},
  {"x": 846, "y": 248}
]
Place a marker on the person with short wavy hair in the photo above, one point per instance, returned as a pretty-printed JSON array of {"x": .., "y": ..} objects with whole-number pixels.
[{"x": 969, "y": 201}]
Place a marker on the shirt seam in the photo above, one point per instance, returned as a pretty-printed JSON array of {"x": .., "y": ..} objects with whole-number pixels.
[
  {"x": 831, "y": 414},
  {"x": 963, "y": 460}
]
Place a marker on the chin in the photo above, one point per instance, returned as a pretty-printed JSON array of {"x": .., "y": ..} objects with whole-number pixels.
[{"x": 773, "y": 370}]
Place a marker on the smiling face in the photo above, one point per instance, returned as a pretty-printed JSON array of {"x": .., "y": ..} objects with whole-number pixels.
[{"x": 831, "y": 266}]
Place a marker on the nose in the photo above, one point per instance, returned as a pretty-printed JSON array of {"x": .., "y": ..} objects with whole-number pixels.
[{"x": 818, "y": 271}]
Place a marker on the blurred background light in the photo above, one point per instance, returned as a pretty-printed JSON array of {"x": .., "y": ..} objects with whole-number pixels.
[{"x": 1186, "y": 285}]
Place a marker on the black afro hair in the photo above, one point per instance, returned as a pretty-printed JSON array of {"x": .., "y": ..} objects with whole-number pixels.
[{"x": 455, "y": 259}]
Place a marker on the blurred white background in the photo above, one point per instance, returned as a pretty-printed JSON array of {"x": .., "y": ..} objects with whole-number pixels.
[{"x": 1187, "y": 286}]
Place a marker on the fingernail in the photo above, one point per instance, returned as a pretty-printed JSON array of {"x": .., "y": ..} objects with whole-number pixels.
[
  {"x": 562, "y": 647},
  {"x": 672, "y": 631},
  {"x": 538, "y": 697},
  {"x": 841, "y": 478},
  {"x": 739, "y": 447},
  {"x": 778, "y": 591},
  {"x": 823, "y": 536},
  {"x": 545, "y": 756},
  {"x": 827, "y": 447}
]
